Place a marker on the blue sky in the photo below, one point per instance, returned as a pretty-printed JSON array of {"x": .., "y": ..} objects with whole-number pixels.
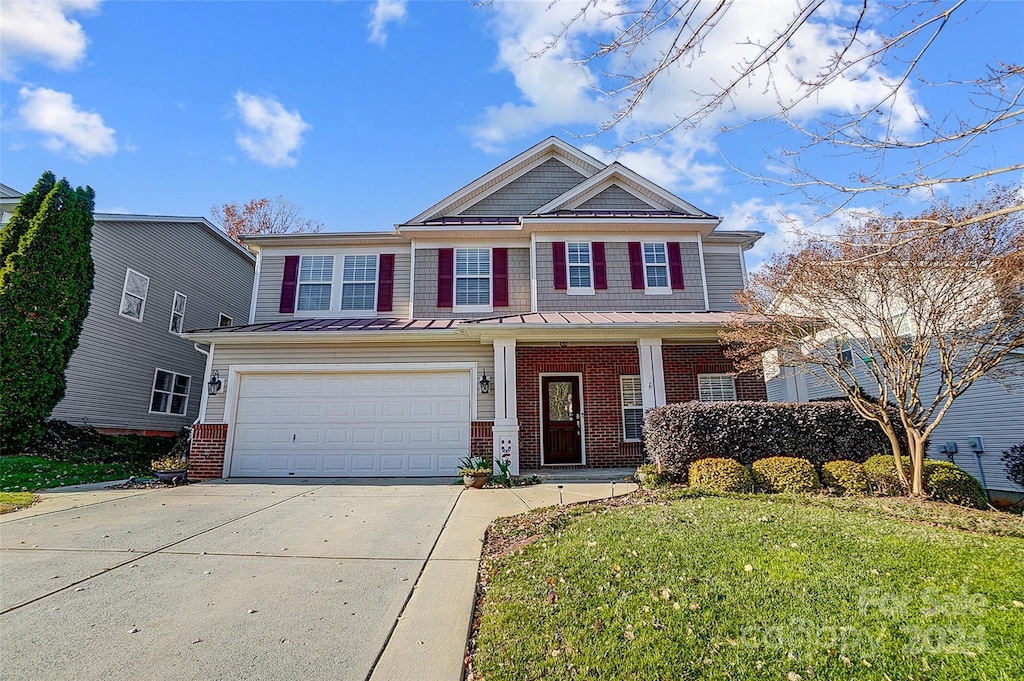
[{"x": 366, "y": 113}]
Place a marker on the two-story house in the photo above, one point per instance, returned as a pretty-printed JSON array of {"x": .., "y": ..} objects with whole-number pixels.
[
  {"x": 155, "y": 276},
  {"x": 534, "y": 314}
]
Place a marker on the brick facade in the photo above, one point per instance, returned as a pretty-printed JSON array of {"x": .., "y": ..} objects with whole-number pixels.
[
  {"x": 480, "y": 439},
  {"x": 683, "y": 362},
  {"x": 206, "y": 457}
]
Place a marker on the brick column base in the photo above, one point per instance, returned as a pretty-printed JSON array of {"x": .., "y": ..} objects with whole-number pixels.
[{"x": 206, "y": 458}]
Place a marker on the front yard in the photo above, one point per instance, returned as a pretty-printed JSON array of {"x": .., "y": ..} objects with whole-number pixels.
[
  {"x": 31, "y": 473},
  {"x": 717, "y": 587}
]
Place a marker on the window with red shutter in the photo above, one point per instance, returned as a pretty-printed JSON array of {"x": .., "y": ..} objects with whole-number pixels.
[
  {"x": 445, "y": 276},
  {"x": 558, "y": 263},
  {"x": 636, "y": 265},
  {"x": 289, "y": 284},
  {"x": 675, "y": 266},
  {"x": 499, "y": 268},
  {"x": 600, "y": 269},
  {"x": 386, "y": 282}
]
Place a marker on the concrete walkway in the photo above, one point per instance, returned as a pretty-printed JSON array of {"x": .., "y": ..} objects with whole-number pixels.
[{"x": 98, "y": 583}]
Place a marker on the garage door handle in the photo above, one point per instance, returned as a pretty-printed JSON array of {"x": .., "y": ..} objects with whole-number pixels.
[{"x": 293, "y": 437}]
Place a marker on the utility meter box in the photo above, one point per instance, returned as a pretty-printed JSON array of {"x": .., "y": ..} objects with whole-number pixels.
[{"x": 976, "y": 444}]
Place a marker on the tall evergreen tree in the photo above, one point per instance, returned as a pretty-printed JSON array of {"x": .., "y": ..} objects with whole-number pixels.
[{"x": 45, "y": 283}]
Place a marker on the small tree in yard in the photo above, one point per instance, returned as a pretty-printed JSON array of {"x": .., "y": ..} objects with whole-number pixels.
[
  {"x": 45, "y": 281},
  {"x": 263, "y": 216},
  {"x": 913, "y": 323}
]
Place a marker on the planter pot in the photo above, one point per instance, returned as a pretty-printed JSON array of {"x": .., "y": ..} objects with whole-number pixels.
[
  {"x": 174, "y": 477},
  {"x": 475, "y": 480}
]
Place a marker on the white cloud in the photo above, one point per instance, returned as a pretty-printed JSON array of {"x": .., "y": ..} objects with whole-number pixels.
[
  {"x": 41, "y": 31},
  {"x": 385, "y": 12},
  {"x": 273, "y": 133},
  {"x": 55, "y": 115}
]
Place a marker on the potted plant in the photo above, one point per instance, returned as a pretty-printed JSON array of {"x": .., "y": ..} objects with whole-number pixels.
[
  {"x": 475, "y": 470},
  {"x": 172, "y": 467}
]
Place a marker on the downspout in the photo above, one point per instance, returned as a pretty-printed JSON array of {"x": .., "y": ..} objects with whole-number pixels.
[{"x": 205, "y": 394}]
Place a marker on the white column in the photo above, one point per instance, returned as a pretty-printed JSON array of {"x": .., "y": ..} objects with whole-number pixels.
[
  {"x": 652, "y": 372},
  {"x": 506, "y": 415}
]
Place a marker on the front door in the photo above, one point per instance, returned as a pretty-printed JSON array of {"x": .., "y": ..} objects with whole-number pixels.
[{"x": 561, "y": 419}]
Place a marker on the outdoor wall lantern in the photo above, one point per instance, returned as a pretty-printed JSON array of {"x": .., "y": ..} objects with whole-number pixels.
[
  {"x": 213, "y": 387},
  {"x": 485, "y": 383}
]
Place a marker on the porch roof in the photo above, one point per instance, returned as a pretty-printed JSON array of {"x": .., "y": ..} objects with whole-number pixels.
[{"x": 604, "y": 319}]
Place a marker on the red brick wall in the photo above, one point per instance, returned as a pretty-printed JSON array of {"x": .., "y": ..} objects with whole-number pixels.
[
  {"x": 481, "y": 442},
  {"x": 206, "y": 458},
  {"x": 682, "y": 363}
]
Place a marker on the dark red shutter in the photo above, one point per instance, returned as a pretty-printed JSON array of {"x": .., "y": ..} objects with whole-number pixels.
[
  {"x": 445, "y": 276},
  {"x": 600, "y": 271},
  {"x": 558, "y": 261},
  {"x": 636, "y": 265},
  {"x": 386, "y": 282},
  {"x": 500, "y": 270},
  {"x": 675, "y": 266},
  {"x": 290, "y": 284}
]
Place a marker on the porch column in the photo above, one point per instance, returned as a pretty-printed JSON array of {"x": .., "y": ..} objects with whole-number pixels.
[
  {"x": 506, "y": 414},
  {"x": 652, "y": 372}
]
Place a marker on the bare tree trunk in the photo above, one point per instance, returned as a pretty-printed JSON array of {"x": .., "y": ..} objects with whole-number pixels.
[
  {"x": 916, "y": 463},
  {"x": 894, "y": 444}
]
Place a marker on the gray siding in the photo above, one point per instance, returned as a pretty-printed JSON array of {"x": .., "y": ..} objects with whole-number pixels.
[
  {"x": 725, "y": 277},
  {"x": 425, "y": 296},
  {"x": 531, "y": 191},
  {"x": 620, "y": 296},
  {"x": 365, "y": 353},
  {"x": 110, "y": 376},
  {"x": 615, "y": 198},
  {"x": 268, "y": 297}
]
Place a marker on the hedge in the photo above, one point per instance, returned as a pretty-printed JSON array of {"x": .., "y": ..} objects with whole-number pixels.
[
  {"x": 679, "y": 434},
  {"x": 784, "y": 474},
  {"x": 720, "y": 475}
]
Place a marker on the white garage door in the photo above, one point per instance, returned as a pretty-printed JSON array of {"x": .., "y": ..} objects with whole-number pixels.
[{"x": 351, "y": 424}]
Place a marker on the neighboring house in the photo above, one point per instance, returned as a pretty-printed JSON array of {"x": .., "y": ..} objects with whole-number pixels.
[
  {"x": 990, "y": 410},
  {"x": 533, "y": 314},
  {"x": 155, "y": 277}
]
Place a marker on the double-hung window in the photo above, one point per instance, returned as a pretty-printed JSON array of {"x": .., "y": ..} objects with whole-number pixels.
[
  {"x": 170, "y": 393},
  {"x": 632, "y": 408},
  {"x": 656, "y": 268},
  {"x": 473, "y": 279},
  {"x": 177, "y": 313},
  {"x": 845, "y": 355},
  {"x": 716, "y": 388},
  {"x": 580, "y": 266},
  {"x": 133, "y": 295},
  {"x": 315, "y": 275},
  {"x": 359, "y": 283}
]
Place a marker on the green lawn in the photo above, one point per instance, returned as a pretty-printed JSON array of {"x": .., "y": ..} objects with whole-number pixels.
[
  {"x": 749, "y": 588},
  {"x": 31, "y": 473}
]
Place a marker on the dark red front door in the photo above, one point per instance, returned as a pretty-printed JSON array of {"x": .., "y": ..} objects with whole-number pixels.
[{"x": 561, "y": 419}]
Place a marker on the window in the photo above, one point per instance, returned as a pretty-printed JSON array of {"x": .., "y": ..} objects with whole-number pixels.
[
  {"x": 845, "y": 355},
  {"x": 656, "y": 268},
  {"x": 133, "y": 296},
  {"x": 178, "y": 313},
  {"x": 716, "y": 388},
  {"x": 473, "y": 277},
  {"x": 580, "y": 268},
  {"x": 315, "y": 274},
  {"x": 225, "y": 320},
  {"x": 632, "y": 408},
  {"x": 359, "y": 283},
  {"x": 170, "y": 393}
]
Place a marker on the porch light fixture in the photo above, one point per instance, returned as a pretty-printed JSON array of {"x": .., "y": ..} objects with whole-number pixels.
[
  {"x": 214, "y": 386},
  {"x": 485, "y": 383}
]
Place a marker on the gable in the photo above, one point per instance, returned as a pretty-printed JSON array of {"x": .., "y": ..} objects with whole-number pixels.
[
  {"x": 523, "y": 195},
  {"x": 616, "y": 198}
]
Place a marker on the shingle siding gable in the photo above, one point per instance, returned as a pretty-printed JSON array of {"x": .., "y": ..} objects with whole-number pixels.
[
  {"x": 615, "y": 198},
  {"x": 527, "y": 193}
]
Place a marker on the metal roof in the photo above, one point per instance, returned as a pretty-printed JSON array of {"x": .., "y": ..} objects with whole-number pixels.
[
  {"x": 340, "y": 326},
  {"x": 585, "y": 319}
]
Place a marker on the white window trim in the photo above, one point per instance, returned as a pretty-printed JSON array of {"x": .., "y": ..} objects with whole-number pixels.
[
  {"x": 170, "y": 326},
  {"x": 622, "y": 386},
  {"x": 455, "y": 281},
  {"x": 701, "y": 377},
  {"x": 124, "y": 292},
  {"x": 153, "y": 390},
  {"x": 331, "y": 282},
  {"x": 221, "y": 318},
  {"x": 370, "y": 311},
  {"x": 656, "y": 290},
  {"x": 579, "y": 290}
]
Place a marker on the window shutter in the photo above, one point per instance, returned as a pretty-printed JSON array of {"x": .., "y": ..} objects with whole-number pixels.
[
  {"x": 445, "y": 276},
  {"x": 499, "y": 265},
  {"x": 290, "y": 284},
  {"x": 636, "y": 265},
  {"x": 558, "y": 261},
  {"x": 600, "y": 271},
  {"x": 675, "y": 266},
  {"x": 386, "y": 282}
]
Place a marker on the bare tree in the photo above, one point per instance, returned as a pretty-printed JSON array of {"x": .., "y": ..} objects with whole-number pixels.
[
  {"x": 882, "y": 149},
  {"x": 914, "y": 325},
  {"x": 263, "y": 216}
]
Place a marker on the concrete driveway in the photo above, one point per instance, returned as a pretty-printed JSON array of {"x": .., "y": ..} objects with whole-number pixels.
[{"x": 245, "y": 579}]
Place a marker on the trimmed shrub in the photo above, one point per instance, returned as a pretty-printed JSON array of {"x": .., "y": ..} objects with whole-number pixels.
[
  {"x": 679, "y": 434},
  {"x": 880, "y": 470},
  {"x": 720, "y": 475},
  {"x": 784, "y": 474},
  {"x": 62, "y": 441},
  {"x": 846, "y": 477},
  {"x": 649, "y": 476},
  {"x": 947, "y": 482},
  {"x": 1014, "y": 460}
]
